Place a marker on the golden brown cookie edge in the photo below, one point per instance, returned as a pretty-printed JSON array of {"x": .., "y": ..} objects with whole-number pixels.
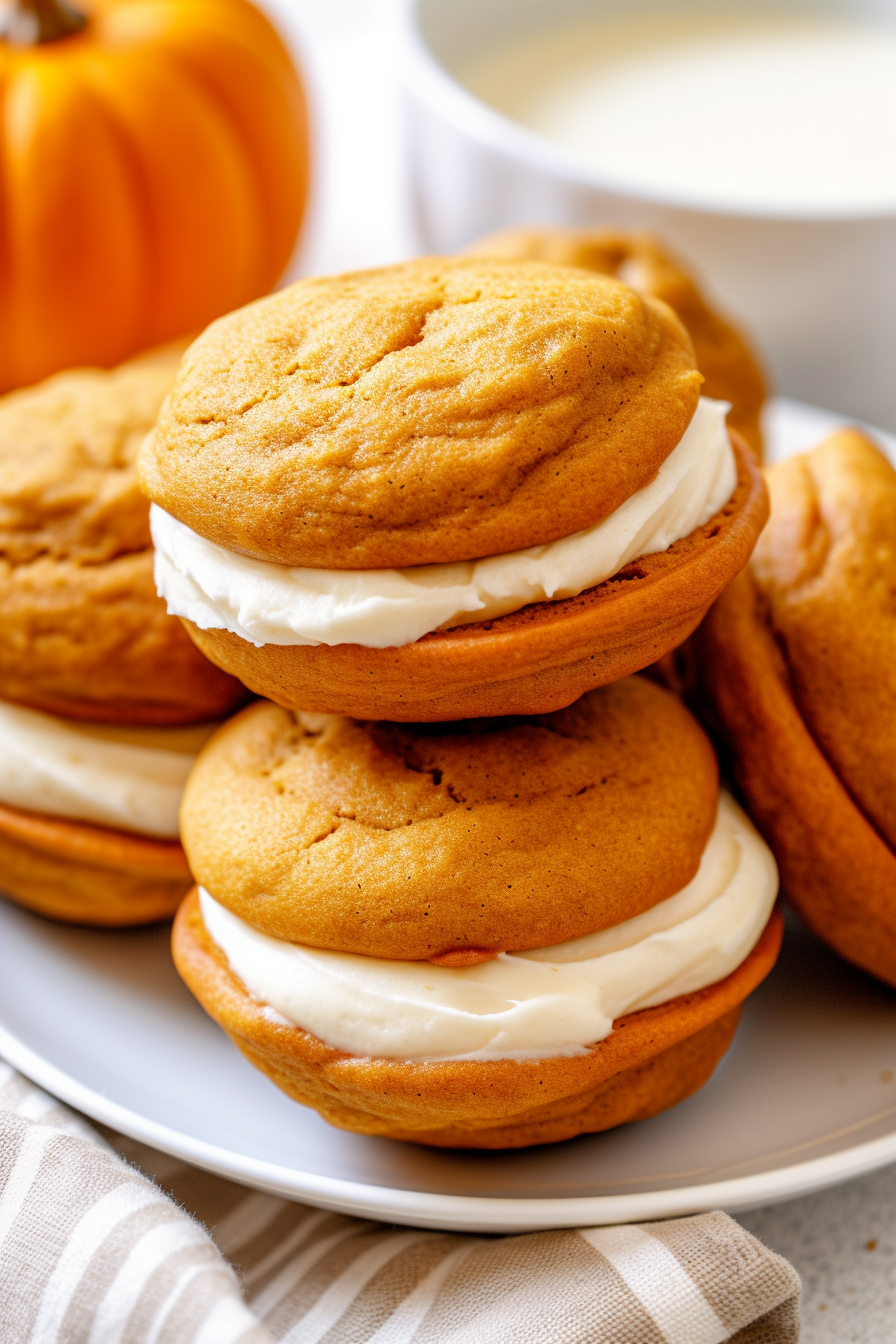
[
  {"x": 79, "y": 873},
  {"x": 835, "y": 868},
  {"x": 479, "y": 1104}
]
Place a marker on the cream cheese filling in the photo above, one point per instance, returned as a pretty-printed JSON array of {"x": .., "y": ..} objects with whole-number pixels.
[
  {"x": 128, "y": 778},
  {"x": 266, "y": 603},
  {"x": 553, "y": 1001}
]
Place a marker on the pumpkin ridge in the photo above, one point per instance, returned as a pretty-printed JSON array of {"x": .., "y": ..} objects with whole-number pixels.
[
  {"x": 263, "y": 158},
  {"x": 210, "y": 143},
  {"x": 184, "y": 303},
  {"x": 61, "y": 161}
]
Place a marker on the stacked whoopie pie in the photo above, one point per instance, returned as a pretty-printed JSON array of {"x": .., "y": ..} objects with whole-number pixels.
[
  {"x": 796, "y": 668},
  {"x": 445, "y": 489},
  {"x": 99, "y": 686},
  {"x": 461, "y": 879}
]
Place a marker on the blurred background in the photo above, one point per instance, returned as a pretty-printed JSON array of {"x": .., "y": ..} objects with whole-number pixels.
[
  {"x": 360, "y": 206},
  {"x": 757, "y": 140}
]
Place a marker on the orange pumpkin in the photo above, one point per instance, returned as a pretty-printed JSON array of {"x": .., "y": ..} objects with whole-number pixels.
[{"x": 153, "y": 174}]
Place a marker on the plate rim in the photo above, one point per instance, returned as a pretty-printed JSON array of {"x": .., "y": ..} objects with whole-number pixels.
[
  {"x": 455, "y": 1213},
  {"x": 472, "y": 1213}
]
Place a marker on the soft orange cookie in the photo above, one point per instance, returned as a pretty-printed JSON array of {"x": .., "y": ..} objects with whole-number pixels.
[
  {"x": 435, "y": 411},
  {"x": 88, "y": 650},
  {"x": 798, "y": 662},
  {"x": 724, "y": 355},
  {"x": 82, "y": 632},
  {"x": 412, "y": 841},
  {"x": 89, "y": 817},
  {"x": 84, "y": 874},
  {"x": 357, "y": 429}
]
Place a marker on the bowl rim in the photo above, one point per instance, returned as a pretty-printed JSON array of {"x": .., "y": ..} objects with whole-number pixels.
[{"x": 425, "y": 78}]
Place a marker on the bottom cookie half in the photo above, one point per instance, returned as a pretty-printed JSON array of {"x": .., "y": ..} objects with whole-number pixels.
[
  {"x": 651, "y": 1060},
  {"x": 86, "y": 874}
]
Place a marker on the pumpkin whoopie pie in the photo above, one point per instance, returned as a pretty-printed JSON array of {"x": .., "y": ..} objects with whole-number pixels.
[
  {"x": 448, "y": 489},
  {"x": 729, "y": 366},
  {"x": 797, "y": 666},
  {"x": 485, "y": 934},
  {"x": 88, "y": 653}
]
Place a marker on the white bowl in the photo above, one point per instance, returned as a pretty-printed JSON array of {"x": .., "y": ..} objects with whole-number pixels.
[{"x": 818, "y": 291}]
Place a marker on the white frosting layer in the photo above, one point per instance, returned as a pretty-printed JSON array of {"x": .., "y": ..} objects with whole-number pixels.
[
  {"x": 556, "y": 1000},
  {"x": 267, "y": 603},
  {"x": 128, "y": 778}
]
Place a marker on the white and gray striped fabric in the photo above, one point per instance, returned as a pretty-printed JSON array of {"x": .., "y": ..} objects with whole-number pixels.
[{"x": 94, "y": 1250}]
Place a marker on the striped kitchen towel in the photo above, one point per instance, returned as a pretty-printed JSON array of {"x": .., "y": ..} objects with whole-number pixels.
[{"x": 94, "y": 1250}]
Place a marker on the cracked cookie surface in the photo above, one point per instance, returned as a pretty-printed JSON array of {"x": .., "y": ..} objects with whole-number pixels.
[
  {"x": 414, "y": 841},
  {"x": 440, "y": 410},
  {"x": 723, "y": 354}
]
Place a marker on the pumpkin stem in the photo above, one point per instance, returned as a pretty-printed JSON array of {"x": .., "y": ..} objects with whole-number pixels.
[{"x": 26, "y": 23}]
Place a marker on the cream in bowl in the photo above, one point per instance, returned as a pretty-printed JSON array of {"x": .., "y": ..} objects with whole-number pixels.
[
  {"x": 723, "y": 109},
  {"x": 758, "y": 144}
]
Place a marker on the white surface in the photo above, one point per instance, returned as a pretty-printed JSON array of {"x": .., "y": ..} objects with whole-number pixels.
[
  {"x": 267, "y": 603},
  {"x": 816, "y": 289},
  {"x": 523, "y": 1005},
  {"x": 360, "y": 213},
  {"x": 725, "y": 108}
]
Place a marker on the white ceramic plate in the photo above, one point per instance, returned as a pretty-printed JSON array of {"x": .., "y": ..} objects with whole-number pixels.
[{"x": 805, "y": 1098}]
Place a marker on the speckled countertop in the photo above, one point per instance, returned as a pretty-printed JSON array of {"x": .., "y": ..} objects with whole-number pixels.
[{"x": 843, "y": 1244}]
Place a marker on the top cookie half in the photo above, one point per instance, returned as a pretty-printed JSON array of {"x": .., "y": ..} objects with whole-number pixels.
[{"x": 441, "y": 410}]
